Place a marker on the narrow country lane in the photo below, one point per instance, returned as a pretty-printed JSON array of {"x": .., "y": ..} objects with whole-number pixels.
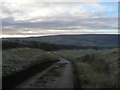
[{"x": 59, "y": 75}]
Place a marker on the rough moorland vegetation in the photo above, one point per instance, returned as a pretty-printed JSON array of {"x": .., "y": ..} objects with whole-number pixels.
[
  {"x": 18, "y": 59},
  {"x": 95, "y": 68}
]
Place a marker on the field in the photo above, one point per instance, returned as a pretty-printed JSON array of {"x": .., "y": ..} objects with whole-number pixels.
[
  {"x": 95, "y": 68},
  {"x": 19, "y": 59}
]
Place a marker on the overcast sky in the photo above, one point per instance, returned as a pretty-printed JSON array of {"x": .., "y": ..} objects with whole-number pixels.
[{"x": 35, "y": 18}]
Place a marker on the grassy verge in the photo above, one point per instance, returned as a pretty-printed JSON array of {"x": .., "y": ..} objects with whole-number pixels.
[
  {"x": 95, "y": 68},
  {"x": 16, "y": 62}
]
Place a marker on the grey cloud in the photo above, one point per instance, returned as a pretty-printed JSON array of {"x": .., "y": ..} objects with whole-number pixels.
[
  {"x": 68, "y": 19},
  {"x": 93, "y": 23}
]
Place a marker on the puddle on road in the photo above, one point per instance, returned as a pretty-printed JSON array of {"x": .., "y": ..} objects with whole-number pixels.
[{"x": 51, "y": 77}]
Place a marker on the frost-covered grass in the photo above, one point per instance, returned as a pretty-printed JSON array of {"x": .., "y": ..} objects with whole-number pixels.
[
  {"x": 95, "y": 68},
  {"x": 15, "y": 60}
]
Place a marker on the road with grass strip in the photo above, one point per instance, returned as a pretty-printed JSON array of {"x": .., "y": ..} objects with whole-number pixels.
[{"x": 59, "y": 75}]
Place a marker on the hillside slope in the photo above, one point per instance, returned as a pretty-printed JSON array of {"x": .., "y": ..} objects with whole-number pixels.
[{"x": 79, "y": 40}]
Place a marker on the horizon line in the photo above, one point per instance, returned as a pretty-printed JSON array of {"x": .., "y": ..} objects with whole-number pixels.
[{"x": 60, "y": 35}]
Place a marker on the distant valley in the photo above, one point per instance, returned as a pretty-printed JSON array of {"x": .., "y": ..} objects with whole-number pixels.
[{"x": 101, "y": 40}]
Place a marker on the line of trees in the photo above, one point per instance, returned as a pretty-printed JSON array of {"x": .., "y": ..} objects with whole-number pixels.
[{"x": 12, "y": 44}]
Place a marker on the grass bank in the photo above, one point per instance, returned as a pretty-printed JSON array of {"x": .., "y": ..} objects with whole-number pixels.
[
  {"x": 23, "y": 62},
  {"x": 95, "y": 68}
]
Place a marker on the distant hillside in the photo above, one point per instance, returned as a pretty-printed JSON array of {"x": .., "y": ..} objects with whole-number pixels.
[{"x": 79, "y": 40}]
